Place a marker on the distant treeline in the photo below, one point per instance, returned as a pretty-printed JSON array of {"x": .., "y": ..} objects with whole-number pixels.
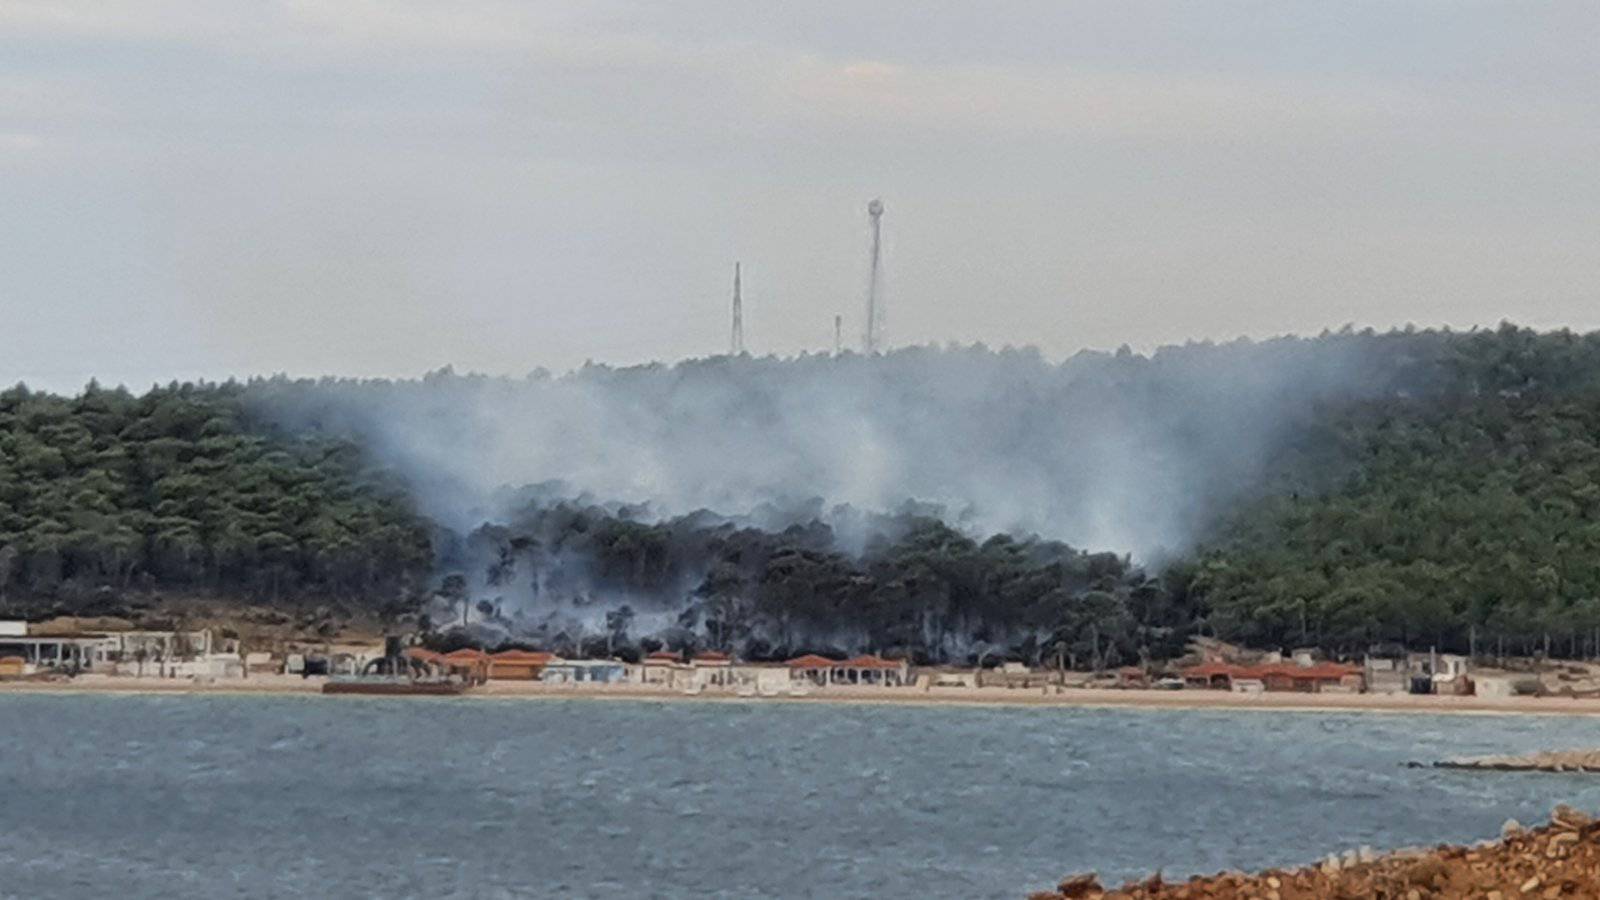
[{"x": 1454, "y": 498}]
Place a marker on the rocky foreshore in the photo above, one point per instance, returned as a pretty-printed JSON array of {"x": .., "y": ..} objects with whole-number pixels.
[
  {"x": 1561, "y": 859},
  {"x": 1556, "y": 761}
]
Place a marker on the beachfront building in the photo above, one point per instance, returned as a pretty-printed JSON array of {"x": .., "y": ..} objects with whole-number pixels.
[
  {"x": 812, "y": 669},
  {"x": 585, "y": 671},
  {"x": 665, "y": 669},
  {"x": 39, "y": 653},
  {"x": 35, "y": 651},
  {"x": 60, "y": 645},
  {"x": 710, "y": 669},
  {"x": 874, "y": 670},
  {"x": 519, "y": 665},
  {"x": 765, "y": 679},
  {"x": 470, "y": 663},
  {"x": 139, "y": 652},
  {"x": 861, "y": 670},
  {"x": 1315, "y": 678}
]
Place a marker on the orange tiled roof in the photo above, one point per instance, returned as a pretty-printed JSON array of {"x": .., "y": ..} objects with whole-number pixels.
[
  {"x": 812, "y": 661},
  {"x": 1319, "y": 670},
  {"x": 870, "y": 662},
  {"x": 523, "y": 657},
  {"x": 1213, "y": 669}
]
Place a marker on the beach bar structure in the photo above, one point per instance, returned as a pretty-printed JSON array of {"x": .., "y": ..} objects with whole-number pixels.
[
  {"x": 123, "y": 651},
  {"x": 813, "y": 668},
  {"x": 868, "y": 669},
  {"x": 822, "y": 671}
]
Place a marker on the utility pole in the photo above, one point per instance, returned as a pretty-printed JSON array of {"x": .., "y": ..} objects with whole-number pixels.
[
  {"x": 838, "y": 335},
  {"x": 736, "y": 343}
]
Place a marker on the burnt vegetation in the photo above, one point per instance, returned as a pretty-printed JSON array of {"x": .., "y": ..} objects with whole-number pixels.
[
  {"x": 1453, "y": 499},
  {"x": 557, "y": 575}
]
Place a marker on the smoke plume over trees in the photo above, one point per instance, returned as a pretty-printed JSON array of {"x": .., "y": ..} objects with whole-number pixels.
[{"x": 943, "y": 504}]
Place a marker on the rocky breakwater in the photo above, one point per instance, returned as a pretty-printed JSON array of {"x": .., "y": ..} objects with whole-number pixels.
[{"x": 1561, "y": 859}]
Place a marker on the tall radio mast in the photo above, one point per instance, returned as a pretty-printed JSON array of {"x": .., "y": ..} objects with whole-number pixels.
[
  {"x": 736, "y": 342},
  {"x": 874, "y": 335}
]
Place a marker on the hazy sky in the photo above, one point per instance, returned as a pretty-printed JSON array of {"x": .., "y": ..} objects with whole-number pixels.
[{"x": 381, "y": 187}]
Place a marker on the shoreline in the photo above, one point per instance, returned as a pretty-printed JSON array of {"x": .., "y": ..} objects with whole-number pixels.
[{"x": 1069, "y": 698}]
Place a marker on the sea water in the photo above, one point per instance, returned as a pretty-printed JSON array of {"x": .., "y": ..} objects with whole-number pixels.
[{"x": 246, "y": 796}]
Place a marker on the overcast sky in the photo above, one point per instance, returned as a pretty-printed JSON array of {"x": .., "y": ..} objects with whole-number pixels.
[{"x": 381, "y": 187}]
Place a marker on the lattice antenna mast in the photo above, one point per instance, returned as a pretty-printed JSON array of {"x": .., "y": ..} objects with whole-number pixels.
[
  {"x": 874, "y": 335},
  {"x": 736, "y": 342}
]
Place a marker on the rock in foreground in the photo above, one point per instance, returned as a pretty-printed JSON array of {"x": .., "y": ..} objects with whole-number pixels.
[
  {"x": 1558, "y": 761},
  {"x": 1561, "y": 859}
]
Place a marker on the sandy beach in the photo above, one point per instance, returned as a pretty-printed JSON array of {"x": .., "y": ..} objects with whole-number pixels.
[{"x": 988, "y": 696}]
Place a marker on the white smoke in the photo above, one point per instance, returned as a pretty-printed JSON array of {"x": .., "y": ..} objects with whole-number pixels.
[{"x": 1103, "y": 451}]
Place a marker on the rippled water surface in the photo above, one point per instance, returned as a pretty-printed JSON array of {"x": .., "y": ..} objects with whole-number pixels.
[{"x": 144, "y": 796}]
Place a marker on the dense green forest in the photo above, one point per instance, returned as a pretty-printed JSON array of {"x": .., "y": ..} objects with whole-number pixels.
[
  {"x": 1454, "y": 500},
  {"x": 106, "y": 494},
  {"x": 1464, "y": 517},
  {"x": 1472, "y": 522}
]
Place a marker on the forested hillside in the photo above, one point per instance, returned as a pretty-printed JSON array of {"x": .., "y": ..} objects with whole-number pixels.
[
  {"x": 1474, "y": 518},
  {"x": 1449, "y": 494},
  {"x": 106, "y": 493}
]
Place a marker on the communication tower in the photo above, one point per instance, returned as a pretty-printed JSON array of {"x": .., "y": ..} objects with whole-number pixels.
[
  {"x": 873, "y": 339},
  {"x": 736, "y": 342}
]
